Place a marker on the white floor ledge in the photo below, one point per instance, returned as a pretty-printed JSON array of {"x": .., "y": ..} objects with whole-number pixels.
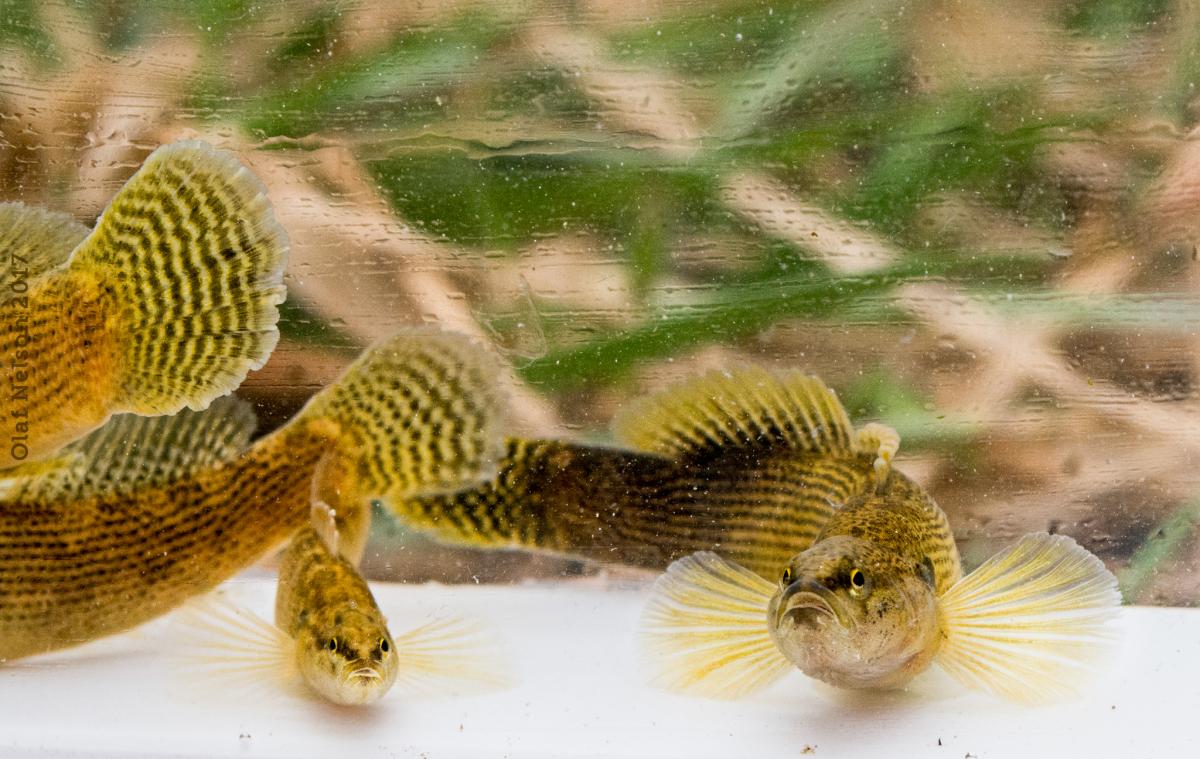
[{"x": 578, "y": 694}]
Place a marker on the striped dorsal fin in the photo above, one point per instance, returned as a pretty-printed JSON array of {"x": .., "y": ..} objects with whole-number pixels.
[{"x": 752, "y": 407}]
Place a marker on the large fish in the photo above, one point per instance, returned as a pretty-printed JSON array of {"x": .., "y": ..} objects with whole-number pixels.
[
  {"x": 161, "y": 510},
  {"x": 811, "y": 548}
]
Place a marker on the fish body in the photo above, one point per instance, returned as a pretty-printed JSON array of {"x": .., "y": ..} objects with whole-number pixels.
[
  {"x": 342, "y": 645},
  {"x": 645, "y": 509},
  {"x": 878, "y": 594},
  {"x": 789, "y": 539},
  {"x": 128, "y": 533},
  {"x": 166, "y": 304}
]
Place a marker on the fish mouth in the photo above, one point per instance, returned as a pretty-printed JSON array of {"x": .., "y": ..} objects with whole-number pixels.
[
  {"x": 806, "y": 603},
  {"x": 363, "y": 675}
]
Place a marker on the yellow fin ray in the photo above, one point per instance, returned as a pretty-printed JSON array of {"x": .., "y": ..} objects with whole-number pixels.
[
  {"x": 704, "y": 630},
  {"x": 420, "y": 414},
  {"x": 190, "y": 250},
  {"x": 449, "y": 655},
  {"x": 750, "y": 407},
  {"x": 34, "y": 242},
  {"x": 1029, "y": 622},
  {"x": 131, "y": 452},
  {"x": 229, "y": 645},
  {"x": 60, "y": 473}
]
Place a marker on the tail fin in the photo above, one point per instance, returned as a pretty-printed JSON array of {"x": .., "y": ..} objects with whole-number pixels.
[
  {"x": 193, "y": 257},
  {"x": 1029, "y": 621},
  {"x": 418, "y": 413}
]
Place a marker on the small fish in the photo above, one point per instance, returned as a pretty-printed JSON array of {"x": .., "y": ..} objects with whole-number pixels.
[
  {"x": 165, "y": 509},
  {"x": 329, "y": 632},
  {"x": 167, "y": 303}
]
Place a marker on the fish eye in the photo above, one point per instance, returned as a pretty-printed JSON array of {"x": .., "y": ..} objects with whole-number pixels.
[
  {"x": 332, "y": 644},
  {"x": 786, "y": 579},
  {"x": 384, "y": 646},
  {"x": 857, "y": 580}
]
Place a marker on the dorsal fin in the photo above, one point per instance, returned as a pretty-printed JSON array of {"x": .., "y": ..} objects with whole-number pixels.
[
  {"x": 34, "y": 241},
  {"x": 752, "y": 407},
  {"x": 132, "y": 452}
]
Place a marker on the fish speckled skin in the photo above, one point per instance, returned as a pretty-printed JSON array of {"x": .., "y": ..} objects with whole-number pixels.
[
  {"x": 756, "y": 507},
  {"x": 416, "y": 412},
  {"x": 343, "y": 648},
  {"x": 166, "y": 304},
  {"x": 78, "y": 570}
]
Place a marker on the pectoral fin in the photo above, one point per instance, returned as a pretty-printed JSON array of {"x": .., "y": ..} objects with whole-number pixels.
[
  {"x": 705, "y": 631},
  {"x": 449, "y": 655},
  {"x": 1030, "y": 622}
]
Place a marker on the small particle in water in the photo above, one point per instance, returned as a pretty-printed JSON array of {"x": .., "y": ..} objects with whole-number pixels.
[{"x": 808, "y": 749}]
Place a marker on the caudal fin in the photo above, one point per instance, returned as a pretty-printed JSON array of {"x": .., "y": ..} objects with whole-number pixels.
[
  {"x": 193, "y": 259},
  {"x": 417, "y": 413},
  {"x": 1029, "y": 623}
]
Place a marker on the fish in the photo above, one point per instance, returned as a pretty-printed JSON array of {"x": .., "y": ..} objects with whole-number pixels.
[
  {"x": 330, "y": 634},
  {"x": 167, "y": 303},
  {"x": 167, "y": 508},
  {"x": 788, "y": 540},
  {"x": 658, "y": 494}
]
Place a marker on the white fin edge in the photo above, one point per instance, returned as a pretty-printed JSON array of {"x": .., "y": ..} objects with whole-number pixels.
[
  {"x": 1029, "y": 623},
  {"x": 452, "y": 655},
  {"x": 704, "y": 630}
]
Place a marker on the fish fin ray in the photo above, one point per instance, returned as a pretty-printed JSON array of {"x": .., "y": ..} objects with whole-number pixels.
[
  {"x": 132, "y": 452},
  {"x": 1030, "y": 622},
  {"x": 38, "y": 480},
  {"x": 227, "y": 644},
  {"x": 419, "y": 414},
  {"x": 449, "y": 655},
  {"x": 324, "y": 523},
  {"x": 753, "y": 407},
  {"x": 192, "y": 253},
  {"x": 34, "y": 241},
  {"x": 704, "y": 630}
]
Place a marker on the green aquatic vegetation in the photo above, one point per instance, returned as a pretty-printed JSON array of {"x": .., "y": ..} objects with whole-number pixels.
[
  {"x": 1161, "y": 545},
  {"x": 736, "y": 313}
]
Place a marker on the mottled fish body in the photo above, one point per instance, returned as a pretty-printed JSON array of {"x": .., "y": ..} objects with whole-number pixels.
[{"x": 155, "y": 511}]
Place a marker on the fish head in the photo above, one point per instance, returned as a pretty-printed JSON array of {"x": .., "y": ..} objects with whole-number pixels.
[
  {"x": 348, "y": 656},
  {"x": 855, "y": 615}
]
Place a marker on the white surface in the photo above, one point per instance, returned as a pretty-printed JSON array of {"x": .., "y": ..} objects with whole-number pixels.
[{"x": 578, "y": 694}]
